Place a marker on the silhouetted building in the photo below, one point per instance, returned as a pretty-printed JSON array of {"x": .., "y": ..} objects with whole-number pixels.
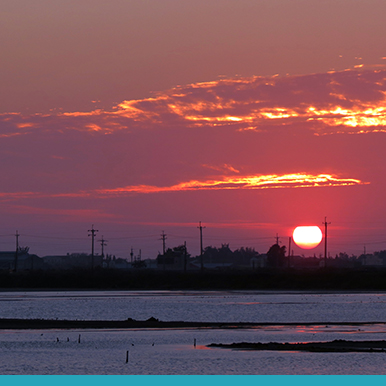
[
  {"x": 259, "y": 261},
  {"x": 24, "y": 261},
  {"x": 74, "y": 260},
  {"x": 371, "y": 260},
  {"x": 196, "y": 264},
  {"x": 112, "y": 262}
]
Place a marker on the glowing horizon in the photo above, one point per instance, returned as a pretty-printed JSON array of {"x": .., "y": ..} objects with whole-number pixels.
[{"x": 184, "y": 111}]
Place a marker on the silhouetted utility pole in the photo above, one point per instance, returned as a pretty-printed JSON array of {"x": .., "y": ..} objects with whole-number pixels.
[
  {"x": 103, "y": 244},
  {"x": 277, "y": 238},
  {"x": 163, "y": 238},
  {"x": 185, "y": 256},
  {"x": 93, "y": 231},
  {"x": 325, "y": 240},
  {"x": 17, "y": 249},
  {"x": 289, "y": 250},
  {"x": 131, "y": 255},
  {"x": 200, "y": 227}
]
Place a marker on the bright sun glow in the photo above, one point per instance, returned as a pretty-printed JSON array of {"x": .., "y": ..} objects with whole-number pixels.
[{"x": 307, "y": 237}]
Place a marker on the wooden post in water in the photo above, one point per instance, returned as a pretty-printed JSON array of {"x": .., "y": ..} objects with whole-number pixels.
[
  {"x": 127, "y": 356},
  {"x": 194, "y": 343},
  {"x": 79, "y": 338}
]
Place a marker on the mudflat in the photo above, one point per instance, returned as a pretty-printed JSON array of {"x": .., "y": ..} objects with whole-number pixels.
[{"x": 339, "y": 345}]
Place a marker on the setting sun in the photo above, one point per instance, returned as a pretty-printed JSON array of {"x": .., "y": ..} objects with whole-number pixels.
[{"x": 307, "y": 237}]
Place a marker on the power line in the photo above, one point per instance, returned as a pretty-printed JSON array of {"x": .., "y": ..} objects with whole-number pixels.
[
  {"x": 365, "y": 242},
  {"x": 221, "y": 238},
  {"x": 133, "y": 237},
  {"x": 79, "y": 238},
  {"x": 53, "y": 237}
]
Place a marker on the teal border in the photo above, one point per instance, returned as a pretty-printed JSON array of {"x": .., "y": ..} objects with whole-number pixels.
[{"x": 189, "y": 380}]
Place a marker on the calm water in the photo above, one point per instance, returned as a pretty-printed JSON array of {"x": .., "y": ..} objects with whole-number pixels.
[{"x": 172, "y": 351}]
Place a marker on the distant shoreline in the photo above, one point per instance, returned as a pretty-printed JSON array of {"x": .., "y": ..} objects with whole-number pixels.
[
  {"x": 141, "y": 280},
  {"x": 151, "y": 323}
]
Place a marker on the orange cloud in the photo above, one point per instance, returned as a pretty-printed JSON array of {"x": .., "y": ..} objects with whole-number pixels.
[
  {"x": 351, "y": 101},
  {"x": 249, "y": 103},
  {"x": 296, "y": 180},
  {"x": 25, "y": 124},
  {"x": 272, "y": 181},
  {"x": 222, "y": 168}
]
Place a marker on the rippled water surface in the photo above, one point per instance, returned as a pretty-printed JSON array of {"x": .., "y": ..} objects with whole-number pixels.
[
  {"x": 172, "y": 351},
  {"x": 196, "y": 306}
]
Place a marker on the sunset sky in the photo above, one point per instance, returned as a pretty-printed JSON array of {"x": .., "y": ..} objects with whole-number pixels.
[{"x": 143, "y": 116}]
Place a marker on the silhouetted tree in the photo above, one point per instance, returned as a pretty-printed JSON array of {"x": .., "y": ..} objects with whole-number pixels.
[
  {"x": 276, "y": 256},
  {"x": 173, "y": 256},
  {"x": 218, "y": 255},
  {"x": 243, "y": 256}
]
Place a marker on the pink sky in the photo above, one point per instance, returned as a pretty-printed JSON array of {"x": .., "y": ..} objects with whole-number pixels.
[{"x": 148, "y": 116}]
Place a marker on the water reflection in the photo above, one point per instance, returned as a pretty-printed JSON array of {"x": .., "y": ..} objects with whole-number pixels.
[
  {"x": 316, "y": 317},
  {"x": 224, "y": 306},
  {"x": 173, "y": 352}
]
